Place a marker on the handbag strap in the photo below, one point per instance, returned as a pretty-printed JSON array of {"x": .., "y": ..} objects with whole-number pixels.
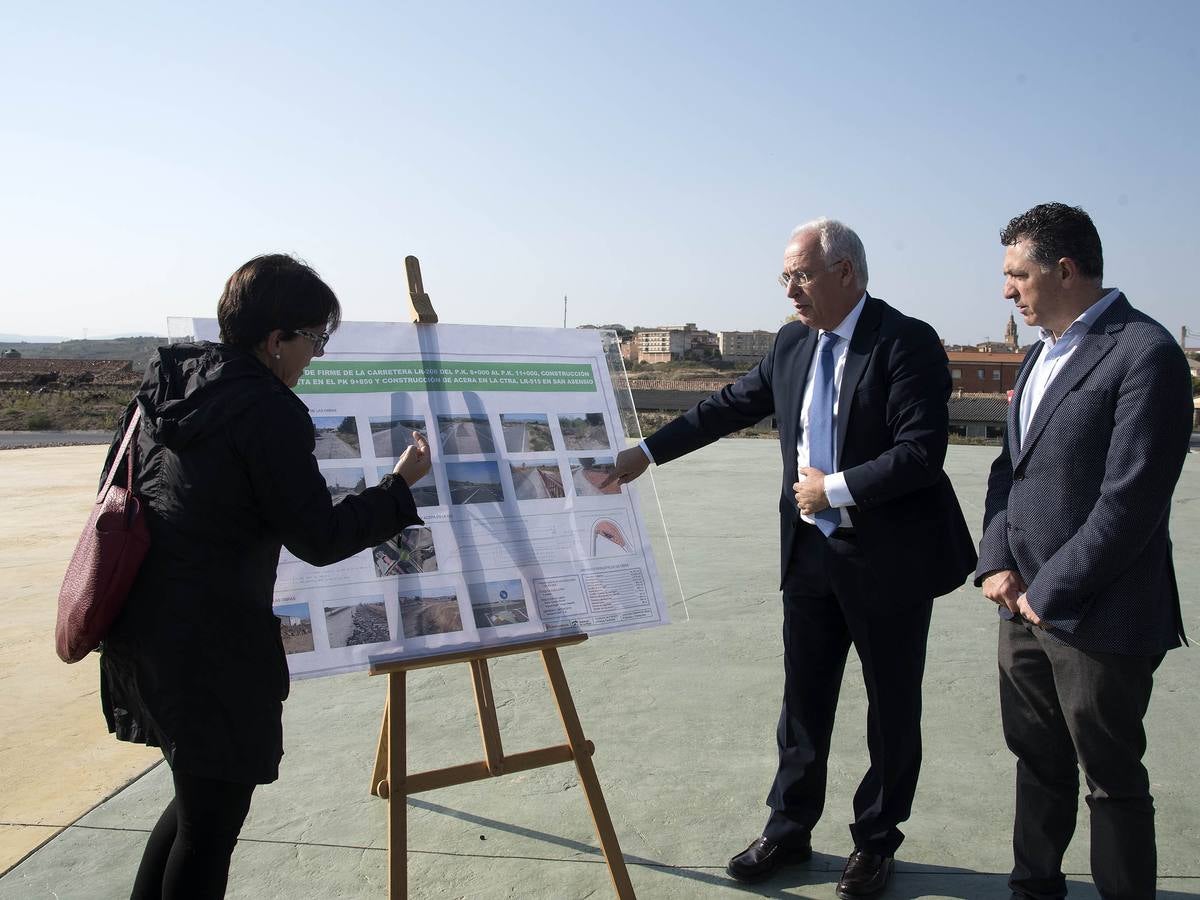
[{"x": 126, "y": 452}]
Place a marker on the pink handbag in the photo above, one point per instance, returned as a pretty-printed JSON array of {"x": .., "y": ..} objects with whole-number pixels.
[{"x": 106, "y": 560}]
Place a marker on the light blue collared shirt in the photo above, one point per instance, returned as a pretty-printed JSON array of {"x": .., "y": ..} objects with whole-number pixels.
[
  {"x": 836, "y": 490},
  {"x": 1054, "y": 356}
]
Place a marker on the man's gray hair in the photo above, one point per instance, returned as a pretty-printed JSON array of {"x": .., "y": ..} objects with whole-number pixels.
[{"x": 838, "y": 242}]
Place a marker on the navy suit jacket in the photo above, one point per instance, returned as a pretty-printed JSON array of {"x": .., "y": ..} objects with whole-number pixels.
[
  {"x": 1079, "y": 507},
  {"x": 891, "y": 435}
]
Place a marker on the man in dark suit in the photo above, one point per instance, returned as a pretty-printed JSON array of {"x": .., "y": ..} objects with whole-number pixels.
[
  {"x": 870, "y": 533},
  {"x": 1076, "y": 553}
]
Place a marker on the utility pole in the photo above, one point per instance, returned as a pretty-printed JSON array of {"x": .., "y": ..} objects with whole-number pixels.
[{"x": 564, "y": 310}]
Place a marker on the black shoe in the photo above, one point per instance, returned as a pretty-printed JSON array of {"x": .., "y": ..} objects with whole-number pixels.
[
  {"x": 763, "y": 857},
  {"x": 865, "y": 875}
]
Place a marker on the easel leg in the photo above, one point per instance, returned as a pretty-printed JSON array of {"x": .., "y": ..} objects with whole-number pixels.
[
  {"x": 489, "y": 727},
  {"x": 397, "y": 798},
  {"x": 587, "y": 775}
]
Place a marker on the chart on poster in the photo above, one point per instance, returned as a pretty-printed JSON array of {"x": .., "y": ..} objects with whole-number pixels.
[{"x": 520, "y": 535}]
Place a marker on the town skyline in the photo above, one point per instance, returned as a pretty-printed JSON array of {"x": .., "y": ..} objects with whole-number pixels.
[{"x": 1012, "y": 334}]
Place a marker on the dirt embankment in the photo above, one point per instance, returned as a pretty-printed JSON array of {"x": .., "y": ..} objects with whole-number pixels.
[
  {"x": 64, "y": 394},
  {"x": 62, "y": 409}
]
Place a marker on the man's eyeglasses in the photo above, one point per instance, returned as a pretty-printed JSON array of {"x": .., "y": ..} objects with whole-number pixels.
[
  {"x": 318, "y": 340},
  {"x": 803, "y": 279}
]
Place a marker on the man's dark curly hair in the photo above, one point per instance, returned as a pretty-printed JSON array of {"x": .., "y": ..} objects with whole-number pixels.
[{"x": 1055, "y": 230}]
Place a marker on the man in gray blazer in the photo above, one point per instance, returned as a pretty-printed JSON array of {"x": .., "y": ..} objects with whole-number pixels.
[{"x": 1077, "y": 555}]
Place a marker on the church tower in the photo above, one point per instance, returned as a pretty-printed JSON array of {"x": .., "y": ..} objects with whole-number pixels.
[{"x": 1010, "y": 333}]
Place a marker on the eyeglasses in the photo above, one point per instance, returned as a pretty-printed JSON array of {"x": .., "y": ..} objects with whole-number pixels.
[
  {"x": 803, "y": 279},
  {"x": 318, "y": 340}
]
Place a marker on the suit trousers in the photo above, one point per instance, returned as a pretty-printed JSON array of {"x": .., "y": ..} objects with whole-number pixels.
[
  {"x": 1064, "y": 709},
  {"x": 832, "y": 599}
]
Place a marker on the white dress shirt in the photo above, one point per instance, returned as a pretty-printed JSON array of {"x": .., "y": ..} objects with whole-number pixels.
[
  {"x": 835, "y": 482},
  {"x": 1054, "y": 356}
]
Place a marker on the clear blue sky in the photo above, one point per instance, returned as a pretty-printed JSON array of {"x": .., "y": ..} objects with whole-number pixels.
[{"x": 647, "y": 159}]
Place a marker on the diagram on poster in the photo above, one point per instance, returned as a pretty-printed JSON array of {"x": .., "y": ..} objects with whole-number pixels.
[{"x": 520, "y": 535}]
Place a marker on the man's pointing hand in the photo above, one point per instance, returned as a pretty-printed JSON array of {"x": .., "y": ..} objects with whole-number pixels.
[{"x": 630, "y": 464}]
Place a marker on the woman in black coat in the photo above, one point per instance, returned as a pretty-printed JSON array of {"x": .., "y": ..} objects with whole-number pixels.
[{"x": 225, "y": 467}]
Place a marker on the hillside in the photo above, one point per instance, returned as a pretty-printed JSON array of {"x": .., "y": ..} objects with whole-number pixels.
[{"x": 135, "y": 349}]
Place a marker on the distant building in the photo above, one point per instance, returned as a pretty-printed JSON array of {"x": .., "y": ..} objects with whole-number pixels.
[
  {"x": 671, "y": 342},
  {"x": 978, "y": 415},
  {"x": 745, "y": 346},
  {"x": 659, "y": 346},
  {"x": 984, "y": 371}
]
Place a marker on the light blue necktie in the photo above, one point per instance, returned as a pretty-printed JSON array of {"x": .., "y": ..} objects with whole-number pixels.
[{"x": 821, "y": 426}]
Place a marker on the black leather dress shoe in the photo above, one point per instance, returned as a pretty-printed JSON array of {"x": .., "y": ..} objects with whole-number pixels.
[
  {"x": 763, "y": 857},
  {"x": 865, "y": 875}
]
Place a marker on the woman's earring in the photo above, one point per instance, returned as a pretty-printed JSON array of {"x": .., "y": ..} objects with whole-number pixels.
[{"x": 277, "y": 356}]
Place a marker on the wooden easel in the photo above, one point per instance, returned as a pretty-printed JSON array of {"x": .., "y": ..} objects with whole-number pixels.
[{"x": 390, "y": 779}]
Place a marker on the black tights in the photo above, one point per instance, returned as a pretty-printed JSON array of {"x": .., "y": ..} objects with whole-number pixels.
[{"x": 187, "y": 855}]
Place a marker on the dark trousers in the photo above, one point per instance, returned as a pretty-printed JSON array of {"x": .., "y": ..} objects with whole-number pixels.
[
  {"x": 1064, "y": 709},
  {"x": 188, "y": 853},
  {"x": 831, "y": 600}
]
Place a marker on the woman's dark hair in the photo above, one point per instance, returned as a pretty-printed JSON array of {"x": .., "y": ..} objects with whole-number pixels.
[
  {"x": 274, "y": 291},
  {"x": 1055, "y": 230}
]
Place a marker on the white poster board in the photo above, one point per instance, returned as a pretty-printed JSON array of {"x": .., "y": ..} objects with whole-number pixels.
[{"x": 519, "y": 538}]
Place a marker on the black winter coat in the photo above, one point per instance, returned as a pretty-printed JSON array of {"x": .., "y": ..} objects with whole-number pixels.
[{"x": 195, "y": 664}]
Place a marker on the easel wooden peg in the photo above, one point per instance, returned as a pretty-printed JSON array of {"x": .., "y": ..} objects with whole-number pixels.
[{"x": 419, "y": 303}]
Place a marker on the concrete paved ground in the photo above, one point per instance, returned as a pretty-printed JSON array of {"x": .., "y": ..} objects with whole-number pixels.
[
  {"x": 682, "y": 718},
  {"x": 56, "y": 758}
]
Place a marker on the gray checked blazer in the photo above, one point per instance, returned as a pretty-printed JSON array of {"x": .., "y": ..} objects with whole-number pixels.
[{"x": 1079, "y": 507}]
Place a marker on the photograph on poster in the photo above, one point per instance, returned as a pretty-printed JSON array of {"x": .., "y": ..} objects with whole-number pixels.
[
  {"x": 537, "y": 481},
  {"x": 362, "y": 622},
  {"x": 295, "y": 626},
  {"x": 424, "y": 491},
  {"x": 412, "y": 554},
  {"x": 342, "y": 482},
  {"x": 526, "y": 432},
  {"x": 461, "y": 435},
  {"x": 391, "y": 434},
  {"x": 588, "y": 474},
  {"x": 608, "y": 539},
  {"x": 585, "y": 432},
  {"x": 429, "y": 612},
  {"x": 337, "y": 437},
  {"x": 496, "y": 603},
  {"x": 474, "y": 482}
]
